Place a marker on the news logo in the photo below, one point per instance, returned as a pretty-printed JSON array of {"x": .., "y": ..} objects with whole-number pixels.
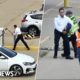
[{"x": 7, "y": 74}]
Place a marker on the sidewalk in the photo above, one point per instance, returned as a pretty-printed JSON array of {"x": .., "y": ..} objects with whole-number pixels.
[{"x": 60, "y": 68}]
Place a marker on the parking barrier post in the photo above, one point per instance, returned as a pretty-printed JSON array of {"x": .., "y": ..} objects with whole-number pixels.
[
  {"x": 66, "y": 3},
  {"x": 1, "y": 36}
]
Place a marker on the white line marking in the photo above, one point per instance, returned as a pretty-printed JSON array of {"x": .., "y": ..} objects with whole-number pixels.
[
  {"x": 45, "y": 39},
  {"x": 51, "y": 9},
  {"x": 59, "y": 4}
]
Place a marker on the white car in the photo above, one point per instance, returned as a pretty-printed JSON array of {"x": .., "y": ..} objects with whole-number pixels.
[
  {"x": 17, "y": 62},
  {"x": 32, "y": 23}
]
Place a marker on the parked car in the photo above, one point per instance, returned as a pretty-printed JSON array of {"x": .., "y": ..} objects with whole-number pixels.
[
  {"x": 16, "y": 62},
  {"x": 32, "y": 22}
]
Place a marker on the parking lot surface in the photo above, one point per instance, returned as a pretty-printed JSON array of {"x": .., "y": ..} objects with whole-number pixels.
[
  {"x": 60, "y": 68},
  {"x": 12, "y": 12}
]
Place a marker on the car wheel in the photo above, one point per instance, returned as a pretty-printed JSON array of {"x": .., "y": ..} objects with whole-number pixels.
[
  {"x": 33, "y": 31},
  {"x": 17, "y": 70}
]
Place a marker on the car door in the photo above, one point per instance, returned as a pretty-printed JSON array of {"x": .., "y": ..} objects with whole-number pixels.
[
  {"x": 3, "y": 62},
  {"x": 40, "y": 20},
  {"x": 37, "y": 18}
]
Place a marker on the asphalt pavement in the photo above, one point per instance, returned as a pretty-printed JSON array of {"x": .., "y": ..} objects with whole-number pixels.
[
  {"x": 50, "y": 4},
  {"x": 60, "y": 68}
]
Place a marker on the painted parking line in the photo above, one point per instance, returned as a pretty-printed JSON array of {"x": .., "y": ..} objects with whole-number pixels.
[
  {"x": 20, "y": 48},
  {"x": 59, "y": 4}
]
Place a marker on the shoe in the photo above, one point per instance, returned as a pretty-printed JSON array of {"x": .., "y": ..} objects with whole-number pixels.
[
  {"x": 13, "y": 49},
  {"x": 54, "y": 57},
  {"x": 28, "y": 49},
  {"x": 63, "y": 55},
  {"x": 70, "y": 58}
]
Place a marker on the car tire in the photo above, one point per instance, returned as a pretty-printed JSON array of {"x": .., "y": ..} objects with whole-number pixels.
[
  {"x": 17, "y": 70},
  {"x": 34, "y": 31}
]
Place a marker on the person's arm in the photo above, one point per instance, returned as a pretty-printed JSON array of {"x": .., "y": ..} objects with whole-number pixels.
[
  {"x": 69, "y": 21},
  {"x": 68, "y": 26},
  {"x": 77, "y": 39},
  {"x": 56, "y": 24},
  {"x": 15, "y": 32}
]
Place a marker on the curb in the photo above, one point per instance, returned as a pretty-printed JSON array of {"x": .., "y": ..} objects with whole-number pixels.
[{"x": 20, "y": 48}]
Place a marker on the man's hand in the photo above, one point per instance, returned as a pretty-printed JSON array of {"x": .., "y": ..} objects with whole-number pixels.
[{"x": 64, "y": 32}]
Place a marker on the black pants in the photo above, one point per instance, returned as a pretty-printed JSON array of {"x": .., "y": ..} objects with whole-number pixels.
[
  {"x": 72, "y": 39},
  {"x": 57, "y": 36},
  {"x": 20, "y": 37}
]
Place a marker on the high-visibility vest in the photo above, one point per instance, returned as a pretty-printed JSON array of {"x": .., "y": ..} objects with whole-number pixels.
[
  {"x": 74, "y": 27},
  {"x": 78, "y": 39}
]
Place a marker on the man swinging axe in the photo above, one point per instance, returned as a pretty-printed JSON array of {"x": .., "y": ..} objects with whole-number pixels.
[{"x": 19, "y": 36}]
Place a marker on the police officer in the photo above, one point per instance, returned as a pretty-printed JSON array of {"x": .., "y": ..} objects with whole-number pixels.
[
  {"x": 19, "y": 36},
  {"x": 71, "y": 34},
  {"x": 60, "y": 23}
]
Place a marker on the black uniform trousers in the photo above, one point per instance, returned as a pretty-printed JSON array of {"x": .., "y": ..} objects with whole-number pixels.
[
  {"x": 57, "y": 36},
  {"x": 72, "y": 39}
]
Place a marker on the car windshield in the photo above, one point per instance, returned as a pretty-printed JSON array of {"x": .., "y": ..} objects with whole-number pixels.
[{"x": 8, "y": 52}]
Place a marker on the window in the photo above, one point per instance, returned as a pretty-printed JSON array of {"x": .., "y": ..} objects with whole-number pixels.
[
  {"x": 8, "y": 52},
  {"x": 2, "y": 56},
  {"x": 37, "y": 16}
]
